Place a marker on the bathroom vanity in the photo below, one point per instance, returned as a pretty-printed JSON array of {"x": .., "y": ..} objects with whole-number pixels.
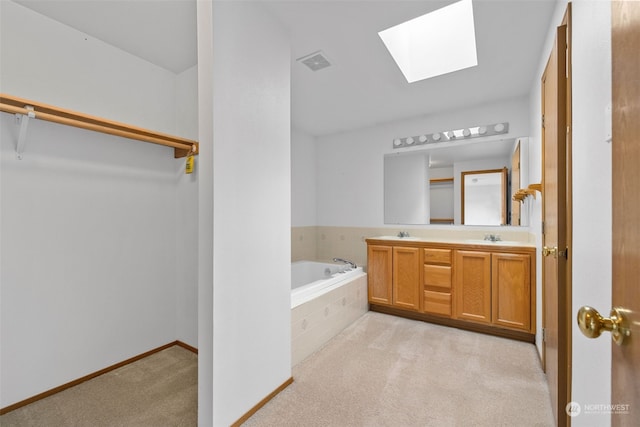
[{"x": 478, "y": 285}]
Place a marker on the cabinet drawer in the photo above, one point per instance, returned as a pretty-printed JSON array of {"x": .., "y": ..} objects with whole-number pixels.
[
  {"x": 437, "y": 302},
  {"x": 438, "y": 276},
  {"x": 437, "y": 256}
]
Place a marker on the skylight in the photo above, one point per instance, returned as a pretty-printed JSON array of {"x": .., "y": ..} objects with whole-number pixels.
[{"x": 437, "y": 43}]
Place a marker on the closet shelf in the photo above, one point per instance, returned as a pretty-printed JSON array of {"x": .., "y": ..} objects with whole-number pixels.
[
  {"x": 31, "y": 109},
  {"x": 441, "y": 180}
]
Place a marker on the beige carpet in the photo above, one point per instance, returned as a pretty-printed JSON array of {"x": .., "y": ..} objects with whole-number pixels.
[
  {"x": 160, "y": 390},
  {"x": 388, "y": 371},
  {"x": 380, "y": 371}
]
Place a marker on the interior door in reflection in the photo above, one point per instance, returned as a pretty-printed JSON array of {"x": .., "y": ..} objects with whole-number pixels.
[{"x": 484, "y": 200}]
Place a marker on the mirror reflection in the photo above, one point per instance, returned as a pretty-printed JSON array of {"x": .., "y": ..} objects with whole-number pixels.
[
  {"x": 426, "y": 186},
  {"x": 484, "y": 197}
]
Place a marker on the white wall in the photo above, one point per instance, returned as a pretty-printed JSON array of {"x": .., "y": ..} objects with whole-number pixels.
[
  {"x": 44, "y": 60},
  {"x": 88, "y": 250},
  {"x": 186, "y": 110},
  {"x": 251, "y": 208},
  {"x": 591, "y": 281},
  {"x": 350, "y": 165},
  {"x": 91, "y": 224},
  {"x": 303, "y": 179}
]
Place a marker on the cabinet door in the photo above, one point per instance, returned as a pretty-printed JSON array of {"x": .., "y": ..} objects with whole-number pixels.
[
  {"x": 472, "y": 290},
  {"x": 511, "y": 290},
  {"x": 379, "y": 267},
  {"x": 406, "y": 278}
]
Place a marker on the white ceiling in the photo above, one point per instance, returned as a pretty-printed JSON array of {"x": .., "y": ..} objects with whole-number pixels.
[{"x": 363, "y": 87}]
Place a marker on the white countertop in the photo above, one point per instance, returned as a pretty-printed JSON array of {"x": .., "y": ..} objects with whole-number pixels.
[{"x": 456, "y": 240}]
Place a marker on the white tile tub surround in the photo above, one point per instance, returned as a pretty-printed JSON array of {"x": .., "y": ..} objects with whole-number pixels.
[{"x": 315, "y": 321}]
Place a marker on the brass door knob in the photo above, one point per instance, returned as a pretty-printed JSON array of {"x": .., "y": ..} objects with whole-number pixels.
[
  {"x": 554, "y": 252},
  {"x": 549, "y": 251},
  {"x": 592, "y": 324}
]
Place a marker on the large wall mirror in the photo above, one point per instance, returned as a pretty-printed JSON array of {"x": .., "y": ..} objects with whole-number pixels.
[{"x": 426, "y": 186}]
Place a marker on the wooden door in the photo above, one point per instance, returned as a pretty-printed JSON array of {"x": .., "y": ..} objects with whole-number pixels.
[
  {"x": 511, "y": 290},
  {"x": 555, "y": 204},
  {"x": 406, "y": 278},
  {"x": 625, "y": 369},
  {"x": 515, "y": 186},
  {"x": 379, "y": 268},
  {"x": 472, "y": 290}
]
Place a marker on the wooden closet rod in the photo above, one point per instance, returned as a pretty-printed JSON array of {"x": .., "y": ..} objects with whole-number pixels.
[{"x": 11, "y": 104}]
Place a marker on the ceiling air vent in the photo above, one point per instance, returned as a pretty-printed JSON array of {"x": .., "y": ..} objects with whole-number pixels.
[{"x": 315, "y": 61}]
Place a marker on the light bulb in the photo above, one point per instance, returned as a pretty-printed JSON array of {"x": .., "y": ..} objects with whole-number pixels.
[
  {"x": 422, "y": 138},
  {"x": 436, "y": 137},
  {"x": 397, "y": 142},
  {"x": 466, "y": 132},
  {"x": 409, "y": 141},
  {"x": 499, "y": 127},
  {"x": 482, "y": 130}
]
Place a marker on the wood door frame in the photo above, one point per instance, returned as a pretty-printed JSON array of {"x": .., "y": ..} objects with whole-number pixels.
[
  {"x": 566, "y": 20},
  {"x": 564, "y": 303},
  {"x": 515, "y": 186}
]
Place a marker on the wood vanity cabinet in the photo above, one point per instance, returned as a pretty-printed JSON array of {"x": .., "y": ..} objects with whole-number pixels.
[
  {"x": 511, "y": 290},
  {"x": 406, "y": 278},
  {"x": 481, "y": 287},
  {"x": 394, "y": 276},
  {"x": 379, "y": 273},
  {"x": 494, "y": 288},
  {"x": 473, "y": 286}
]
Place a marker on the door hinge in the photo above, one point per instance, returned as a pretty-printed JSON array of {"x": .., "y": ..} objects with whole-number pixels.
[
  {"x": 544, "y": 335},
  {"x": 543, "y": 120},
  {"x": 542, "y": 227}
]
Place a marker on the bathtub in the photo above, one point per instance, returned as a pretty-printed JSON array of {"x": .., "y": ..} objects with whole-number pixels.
[{"x": 325, "y": 299}]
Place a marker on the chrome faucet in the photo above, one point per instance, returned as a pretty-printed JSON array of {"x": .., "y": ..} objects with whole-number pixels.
[
  {"x": 351, "y": 264},
  {"x": 403, "y": 234},
  {"x": 492, "y": 237}
]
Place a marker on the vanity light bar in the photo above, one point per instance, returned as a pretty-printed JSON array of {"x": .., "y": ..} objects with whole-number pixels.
[{"x": 452, "y": 135}]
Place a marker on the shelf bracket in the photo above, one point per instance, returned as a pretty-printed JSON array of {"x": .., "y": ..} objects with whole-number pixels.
[
  {"x": 523, "y": 193},
  {"x": 24, "y": 125},
  {"x": 536, "y": 187}
]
